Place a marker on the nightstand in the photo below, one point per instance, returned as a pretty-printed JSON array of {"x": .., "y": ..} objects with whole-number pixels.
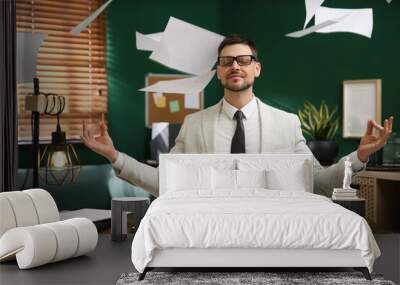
[
  {"x": 357, "y": 205},
  {"x": 119, "y": 207}
]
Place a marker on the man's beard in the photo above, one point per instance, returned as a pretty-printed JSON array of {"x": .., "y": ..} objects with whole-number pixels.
[{"x": 237, "y": 88}]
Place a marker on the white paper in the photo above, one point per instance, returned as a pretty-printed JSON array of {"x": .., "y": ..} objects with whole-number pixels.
[
  {"x": 28, "y": 45},
  {"x": 187, "y": 48},
  {"x": 156, "y": 97},
  {"x": 192, "y": 101},
  {"x": 157, "y": 128},
  {"x": 358, "y": 21},
  {"x": 155, "y": 36},
  {"x": 311, "y": 8},
  {"x": 182, "y": 86},
  {"x": 148, "y": 42},
  {"x": 309, "y": 30},
  {"x": 89, "y": 19},
  {"x": 159, "y": 100}
]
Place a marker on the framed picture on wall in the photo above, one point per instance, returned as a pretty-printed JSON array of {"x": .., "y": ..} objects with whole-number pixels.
[{"x": 362, "y": 101}]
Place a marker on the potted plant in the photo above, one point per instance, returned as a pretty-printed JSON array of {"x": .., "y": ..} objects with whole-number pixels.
[{"x": 321, "y": 125}]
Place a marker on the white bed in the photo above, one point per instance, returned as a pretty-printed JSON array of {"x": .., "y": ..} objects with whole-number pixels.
[{"x": 247, "y": 211}]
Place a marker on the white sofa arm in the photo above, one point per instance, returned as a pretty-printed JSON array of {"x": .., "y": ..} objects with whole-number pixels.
[
  {"x": 26, "y": 208},
  {"x": 52, "y": 242},
  {"x": 33, "y": 246},
  {"x": 87, "y": 235},
  {"x": 45, "y": 205}
]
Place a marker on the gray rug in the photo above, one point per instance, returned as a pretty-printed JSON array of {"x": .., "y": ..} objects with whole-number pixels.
[{"x": 243, "y": 278}]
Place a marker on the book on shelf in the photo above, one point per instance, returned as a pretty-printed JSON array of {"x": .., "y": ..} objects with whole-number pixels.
[
  {"x": 345, "y": 194},
  {"x": 340, "y": 197},
  {"x": 341, "y": 190}
]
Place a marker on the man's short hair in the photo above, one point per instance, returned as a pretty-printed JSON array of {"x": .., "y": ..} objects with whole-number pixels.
[{"x": 238, "y": 39}]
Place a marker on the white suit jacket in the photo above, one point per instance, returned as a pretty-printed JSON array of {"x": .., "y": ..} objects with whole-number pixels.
[{"x": 280, "y": 132}]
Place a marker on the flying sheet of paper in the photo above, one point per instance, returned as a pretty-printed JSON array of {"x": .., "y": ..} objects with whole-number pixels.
[
  {"x": 28, "y": 45},
  {"x": 309, "y": 30},
  {"x": 174, "y": 106},
  {"x": 158, "y": 128},
  {"x": 192, "y": 101},
  {"x": 311, "y": 8},
  {"x": 187, "y": 48},
  {"x": 159, "y": 100},
  {"x": 89, "y": 19},
  {"x": 183, "y": 86},
  {"x": 358, "y": 21},
  {"x": 148, "y": 42},
  {"x": 155, "y": 36}
]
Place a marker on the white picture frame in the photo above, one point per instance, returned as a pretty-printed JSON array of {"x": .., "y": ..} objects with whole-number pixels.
[{"x": 362, "y": 101}]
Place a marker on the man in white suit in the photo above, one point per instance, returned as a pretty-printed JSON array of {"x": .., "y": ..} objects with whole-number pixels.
[{"x": 239, "y": 123}]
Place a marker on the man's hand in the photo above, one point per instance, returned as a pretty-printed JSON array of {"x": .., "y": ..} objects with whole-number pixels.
[
  {"x": 103, "y": 144},
  {"x": 371, "y": 143}
]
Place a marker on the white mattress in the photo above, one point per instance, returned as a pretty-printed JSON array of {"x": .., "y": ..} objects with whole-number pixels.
[{"x": 250, "y": 219}]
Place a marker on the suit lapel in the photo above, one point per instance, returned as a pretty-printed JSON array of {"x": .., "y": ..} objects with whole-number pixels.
[
  {"x": 268, "y": 127},
  {"x": 267, "y": 124},
  {"x": 209, "y": 125}
]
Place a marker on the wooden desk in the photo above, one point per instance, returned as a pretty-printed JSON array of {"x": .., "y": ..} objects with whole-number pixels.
[{"x": 381, "y": 190}]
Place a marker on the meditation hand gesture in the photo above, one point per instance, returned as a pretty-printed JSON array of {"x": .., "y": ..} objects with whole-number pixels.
[
  {"x": 371, "y": 143},
  {"x": 103, "y": 144}
]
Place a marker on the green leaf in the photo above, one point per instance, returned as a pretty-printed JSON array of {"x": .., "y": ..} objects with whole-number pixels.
[
  {"x": 333, "y": 130},
  {"x": 303, "y": 120},
  {"x": 326, "y": 115},
  {"x": 319, "y": 123}
]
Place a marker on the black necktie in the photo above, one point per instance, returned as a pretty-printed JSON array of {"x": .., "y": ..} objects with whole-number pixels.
[{"x": 238, "y": 140}]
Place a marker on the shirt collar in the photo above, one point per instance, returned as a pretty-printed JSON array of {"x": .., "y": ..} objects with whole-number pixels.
[{"x": 248, "y": 109}]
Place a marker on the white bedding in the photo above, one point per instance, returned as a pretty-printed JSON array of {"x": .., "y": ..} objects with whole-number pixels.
[{"x": 252, "y": 218}]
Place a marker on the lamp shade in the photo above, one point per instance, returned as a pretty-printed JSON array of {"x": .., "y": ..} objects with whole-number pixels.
[
  {"x": 59, "y": 161},
  {"x": 59, "y": 164}
]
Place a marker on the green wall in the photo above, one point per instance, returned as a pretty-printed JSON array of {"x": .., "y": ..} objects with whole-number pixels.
[
  {"x": 313, "y": 68},
  {"x": 127, "y": 67},
  {"x": 293, "y": 70}
]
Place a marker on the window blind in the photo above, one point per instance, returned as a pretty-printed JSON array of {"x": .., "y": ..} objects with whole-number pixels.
[{"x": 70, "y": 65}]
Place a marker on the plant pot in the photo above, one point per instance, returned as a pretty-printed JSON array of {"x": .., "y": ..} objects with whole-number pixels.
[{"x": 325, "y": 151}]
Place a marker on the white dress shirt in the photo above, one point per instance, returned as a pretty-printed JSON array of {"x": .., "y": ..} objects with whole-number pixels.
[{"x": 226, "y": 127}]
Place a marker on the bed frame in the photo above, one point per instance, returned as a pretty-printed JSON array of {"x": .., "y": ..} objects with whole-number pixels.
[{"x": 242, "y": 259}]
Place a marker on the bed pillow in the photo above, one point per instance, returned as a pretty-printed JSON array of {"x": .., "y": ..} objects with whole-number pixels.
[
  {"x": 291, "y": 178},
  {"x": 252, "y": 178},
  {"x": 188, "y": 177},
  {"x": 224, "y": 179},
  {"x": 227, "y": 179}
]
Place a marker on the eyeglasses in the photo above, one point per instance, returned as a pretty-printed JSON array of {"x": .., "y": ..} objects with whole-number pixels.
[{"x": 242, "y": 60}]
